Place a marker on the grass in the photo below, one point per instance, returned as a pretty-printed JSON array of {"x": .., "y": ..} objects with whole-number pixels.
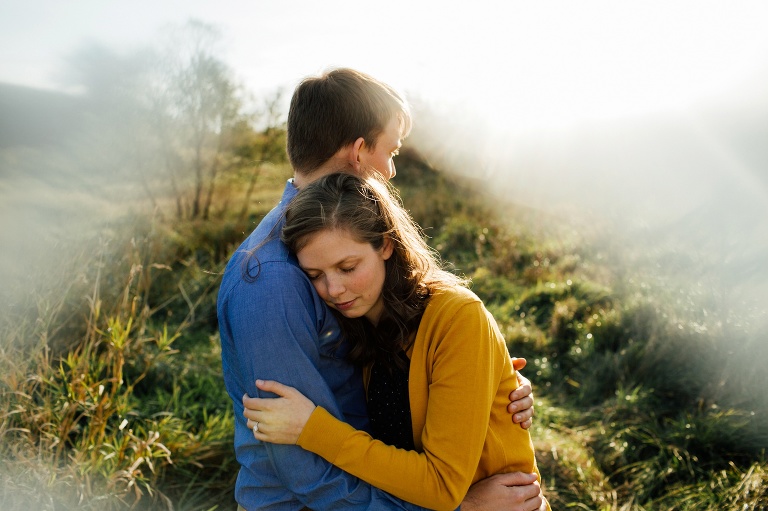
[
  {"x": 110, "y": 377},
  {"x": 110, "y": 372},
  {"x": 646, "y": 397},
  {"x": 82, "y": 416}
]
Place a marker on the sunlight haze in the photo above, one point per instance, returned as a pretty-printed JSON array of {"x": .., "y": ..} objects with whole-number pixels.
[
  {"x": 647, "y": 114},
  {"x": 597, "y": 170},
  {"x": 519, "y": 65}
]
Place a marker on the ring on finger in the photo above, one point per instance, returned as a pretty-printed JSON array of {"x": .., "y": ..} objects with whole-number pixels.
[{"x": 256, "y": 428}]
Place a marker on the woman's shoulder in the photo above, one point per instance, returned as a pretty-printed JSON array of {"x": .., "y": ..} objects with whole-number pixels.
[{"x": 451, "y": 297}]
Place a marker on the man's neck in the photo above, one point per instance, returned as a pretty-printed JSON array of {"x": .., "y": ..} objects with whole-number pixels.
[
  {"x": 342, "y": 161},
  {"x": 300, "y": 180}
]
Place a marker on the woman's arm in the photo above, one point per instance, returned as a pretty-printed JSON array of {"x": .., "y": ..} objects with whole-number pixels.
[
  {"x": 466, "y": 369},
  {"x": 296, "y": 411}
]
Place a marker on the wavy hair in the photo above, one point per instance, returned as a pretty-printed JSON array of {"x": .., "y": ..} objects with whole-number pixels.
[{"x": 369, "y": 209}]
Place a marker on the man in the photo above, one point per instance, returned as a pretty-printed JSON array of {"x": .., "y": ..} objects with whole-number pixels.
[{"x": 274, "y": 326}]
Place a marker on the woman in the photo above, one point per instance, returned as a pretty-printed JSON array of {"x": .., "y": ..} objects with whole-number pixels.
[{"x": 437, "y": 369}]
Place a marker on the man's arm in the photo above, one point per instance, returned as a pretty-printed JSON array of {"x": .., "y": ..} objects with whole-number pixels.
[{"x": 270, "y": 330}]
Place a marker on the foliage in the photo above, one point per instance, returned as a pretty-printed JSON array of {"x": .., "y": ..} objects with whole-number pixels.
[
  {"x": 110, "y": 377},
  {"x": 641, "y": 409},
  {"x": 173, "y": 121},
  {"x": 101, "y": 408}
]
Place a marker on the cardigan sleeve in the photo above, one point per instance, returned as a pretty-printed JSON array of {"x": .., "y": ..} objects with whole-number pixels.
[{"x": 465, "y": 372}]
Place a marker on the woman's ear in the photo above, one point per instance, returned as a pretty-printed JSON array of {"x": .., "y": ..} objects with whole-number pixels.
[{"x": 387, "y": 248}]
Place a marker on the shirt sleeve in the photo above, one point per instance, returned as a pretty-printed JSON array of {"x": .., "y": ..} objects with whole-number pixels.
[
  {"x": 273, "y": 327},
  {"x": 465, "y": 377}
]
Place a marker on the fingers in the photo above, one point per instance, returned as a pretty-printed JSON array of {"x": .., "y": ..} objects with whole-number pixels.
[
  {"x": 521, "y": 406},
  {"x": 255, "y": 404},
  {"x": 536, "y": 504},
  {"x": 524, "y": 490},
  {"x": 255, "y": 415},
  {"x": 526, "y": 424},
  {"x": 253, "y": 407},
  {"x": 522, "y": 398},
  {"x": 275, "y": 388},
  {"x": 529, "y": 493},
  {"x": 515, "y": 479},
  {"x": 523, "y": 381},
  {"x": 523, "y": 415},
  {"x": 515, "y": 491},
  {"x": 518, "y": 363},
  {"x": 259, "y": 433}
]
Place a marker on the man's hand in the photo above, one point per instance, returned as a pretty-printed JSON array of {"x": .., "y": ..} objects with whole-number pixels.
[
  {"x": 521, "y": 399},
  {"x": 516, "y": 491}
]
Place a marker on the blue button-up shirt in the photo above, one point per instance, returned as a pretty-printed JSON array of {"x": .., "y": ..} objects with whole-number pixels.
[{"x": 274, "y": 326}]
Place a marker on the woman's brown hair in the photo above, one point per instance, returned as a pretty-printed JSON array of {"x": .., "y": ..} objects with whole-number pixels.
[{"x": 370, "y": 211}]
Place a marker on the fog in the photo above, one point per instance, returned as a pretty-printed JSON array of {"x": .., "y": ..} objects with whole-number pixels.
[
  {"x": 689, "y": 184},
  {"x": 645, "y": 134},
  {"x": 679, "y": 198},
  {"x": 638, "y": 132}
]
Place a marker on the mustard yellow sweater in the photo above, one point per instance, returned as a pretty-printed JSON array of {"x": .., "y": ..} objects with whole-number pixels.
[{"x": 459, "y": 383}]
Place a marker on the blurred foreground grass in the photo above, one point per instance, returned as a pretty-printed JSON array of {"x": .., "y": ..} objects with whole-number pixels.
[{"x": 112, "y": 398}]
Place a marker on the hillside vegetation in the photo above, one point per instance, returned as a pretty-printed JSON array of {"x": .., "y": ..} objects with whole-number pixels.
[
  {"x": 119, "y": 209},
  {"x": 112, "y": 396}
]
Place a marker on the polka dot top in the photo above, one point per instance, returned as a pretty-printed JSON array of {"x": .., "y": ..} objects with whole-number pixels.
[{"x": 389, "y": 407}]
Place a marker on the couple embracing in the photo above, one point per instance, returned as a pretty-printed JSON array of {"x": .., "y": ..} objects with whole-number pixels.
[{"x": 380, "y": 380}]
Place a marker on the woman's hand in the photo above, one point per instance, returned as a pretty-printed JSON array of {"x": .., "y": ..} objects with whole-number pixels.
[{"x": 280, "y": 420}]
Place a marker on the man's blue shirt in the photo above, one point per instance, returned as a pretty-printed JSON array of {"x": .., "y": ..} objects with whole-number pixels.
[{"x": 274, "y": 326}]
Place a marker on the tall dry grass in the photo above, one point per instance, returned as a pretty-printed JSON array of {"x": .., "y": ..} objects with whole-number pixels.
[{"x": 100, "y": 387}]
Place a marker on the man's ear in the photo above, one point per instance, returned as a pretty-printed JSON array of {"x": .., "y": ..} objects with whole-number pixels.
[{"x": 354, "y": 153}]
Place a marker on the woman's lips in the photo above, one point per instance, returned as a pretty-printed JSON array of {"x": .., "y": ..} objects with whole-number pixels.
[{"x": 342, "y": 306}]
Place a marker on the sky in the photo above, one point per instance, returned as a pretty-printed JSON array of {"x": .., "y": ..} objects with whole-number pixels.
[
  {"x": 521, "y": 65},
  {"x": 652, "y": 113}
]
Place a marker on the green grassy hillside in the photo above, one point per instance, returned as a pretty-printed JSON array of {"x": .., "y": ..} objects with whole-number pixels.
[
  {"x": 110, "y": 379},
  {"x": 649, "y": 398}
]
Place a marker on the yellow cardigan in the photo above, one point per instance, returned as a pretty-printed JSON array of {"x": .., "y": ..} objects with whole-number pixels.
[{"x": 459, "y": 383}]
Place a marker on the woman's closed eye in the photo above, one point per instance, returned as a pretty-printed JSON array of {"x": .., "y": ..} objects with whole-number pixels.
[{"x": 315, "y": 276}]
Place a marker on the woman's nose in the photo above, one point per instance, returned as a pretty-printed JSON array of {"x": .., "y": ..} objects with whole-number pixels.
[{"x": 335, "y": 287}]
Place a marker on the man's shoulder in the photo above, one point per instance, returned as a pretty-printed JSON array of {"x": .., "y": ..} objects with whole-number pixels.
[
  {"x": 263, "y": 271},
  {"x": 262, "y": 261}
]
